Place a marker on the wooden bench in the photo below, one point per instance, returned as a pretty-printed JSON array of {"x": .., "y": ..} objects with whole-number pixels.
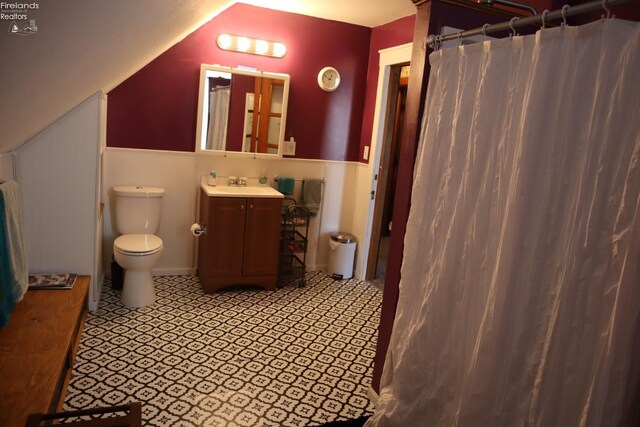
[{"x": 37, "y": 350}]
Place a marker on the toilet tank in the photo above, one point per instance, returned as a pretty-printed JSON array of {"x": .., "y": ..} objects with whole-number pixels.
[{"x": 138, "y": 209}]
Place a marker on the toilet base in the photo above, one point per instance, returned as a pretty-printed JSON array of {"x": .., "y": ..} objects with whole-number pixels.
[{"x": 138, "y": 290}]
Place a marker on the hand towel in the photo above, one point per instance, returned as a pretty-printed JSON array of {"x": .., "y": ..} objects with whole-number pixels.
[
  {"x": 14, "y": 276},
  {"x": 286, "y": 185},
  {"x": 312, "y": 195}
]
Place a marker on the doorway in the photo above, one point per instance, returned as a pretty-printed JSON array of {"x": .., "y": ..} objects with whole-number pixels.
[{"x": 386, "y": 174}]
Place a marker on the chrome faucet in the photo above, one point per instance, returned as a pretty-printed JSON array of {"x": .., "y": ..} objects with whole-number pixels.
[{"x": 240, "y": 182}]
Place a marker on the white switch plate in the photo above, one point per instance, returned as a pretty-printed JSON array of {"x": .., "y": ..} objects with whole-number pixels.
[
  {"x": 366, "y": 152},
  {"x": 289, "y": 148}
]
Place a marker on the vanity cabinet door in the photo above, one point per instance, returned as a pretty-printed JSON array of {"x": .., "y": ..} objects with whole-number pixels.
[
  {"x": 221, "y": 250},
  {"x": 262, "y": 237}
]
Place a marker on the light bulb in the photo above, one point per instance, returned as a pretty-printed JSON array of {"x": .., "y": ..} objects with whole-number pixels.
[
  {"x": 224, "y": 41},
  {"x": 244, "y": 44},
  {"x": 262, "y": 47},
  {"x": 279, "y": 50}
]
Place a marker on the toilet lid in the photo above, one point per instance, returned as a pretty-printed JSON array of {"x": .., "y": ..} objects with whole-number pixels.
[{"x": 138, "y": 243}]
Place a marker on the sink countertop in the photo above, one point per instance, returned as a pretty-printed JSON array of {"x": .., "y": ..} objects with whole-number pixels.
[{"x": 241, "y": 191}]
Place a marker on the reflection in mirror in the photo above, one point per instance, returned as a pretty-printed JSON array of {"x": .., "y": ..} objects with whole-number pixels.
[
  {"x": 241, "y": 111},
  {"x": 219, "y": 90}
]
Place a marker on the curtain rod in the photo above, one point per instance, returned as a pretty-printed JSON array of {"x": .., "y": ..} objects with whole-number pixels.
[{"x": 544, "y": 18}]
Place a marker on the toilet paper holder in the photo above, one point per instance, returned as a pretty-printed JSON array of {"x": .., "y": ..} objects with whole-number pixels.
[{"x": 198, "y": 229}]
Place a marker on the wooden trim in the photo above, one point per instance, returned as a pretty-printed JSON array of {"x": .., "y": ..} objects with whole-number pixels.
[
  {"x": 71, "y": 357},
  {"x": 411, "y": 131}
]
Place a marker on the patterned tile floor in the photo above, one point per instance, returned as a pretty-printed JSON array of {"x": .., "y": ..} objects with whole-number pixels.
[{"x": 290, "y": 357}]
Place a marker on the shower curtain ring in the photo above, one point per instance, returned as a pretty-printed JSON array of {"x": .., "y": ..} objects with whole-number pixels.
[
  {"x": 544, "y": 18},
  {"x": 431, "y": 42},
  {"x": 459, "y": 36},
  {"x": 606, "y": 9},
  {"x": 512, "y": 23},
  {"x": 564, "y": 15},
  {"x": 484, "y": 32}
]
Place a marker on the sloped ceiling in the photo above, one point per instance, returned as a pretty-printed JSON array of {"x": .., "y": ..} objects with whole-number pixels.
[
  {"x": 83, "y": 46},
  {"x": 368, "y": 13}
]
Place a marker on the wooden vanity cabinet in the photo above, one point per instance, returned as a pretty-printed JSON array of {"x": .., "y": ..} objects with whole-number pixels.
[{"x": 241, "y": 244}]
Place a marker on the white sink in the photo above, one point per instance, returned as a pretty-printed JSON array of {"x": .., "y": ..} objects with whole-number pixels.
[{"x": 248, "y": 191}]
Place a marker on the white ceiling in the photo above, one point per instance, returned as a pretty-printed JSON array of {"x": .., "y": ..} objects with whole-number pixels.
[
  {"x": 84, "y": 46},
  {"x": 369, "y": 13}
]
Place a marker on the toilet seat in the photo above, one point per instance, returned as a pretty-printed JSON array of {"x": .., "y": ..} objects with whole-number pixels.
[{"x": 138, "y": 244}]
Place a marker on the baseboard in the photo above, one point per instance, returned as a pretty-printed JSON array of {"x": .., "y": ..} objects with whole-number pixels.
[
  {"x": 317, "y": 267},
  {"x": 174, "y": 271},
  {"x": 164, "y": 272},
  {"x": 372, "y": 395},
  {"x": 97, "y": 286}
]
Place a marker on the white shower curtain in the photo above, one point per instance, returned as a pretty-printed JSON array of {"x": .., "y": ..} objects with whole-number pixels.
[
  {"x": 219, "y": 99},
  {"x": 520, "y": 289}
]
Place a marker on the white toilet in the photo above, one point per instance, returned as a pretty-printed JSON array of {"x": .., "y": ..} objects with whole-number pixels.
[{"x": 138, "y": 250}]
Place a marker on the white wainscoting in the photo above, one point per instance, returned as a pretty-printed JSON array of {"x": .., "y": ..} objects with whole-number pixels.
[
  {"x": 175, "y": 172},
  {"x": 58, "y": 172},
  {"x": 180, "y": 173}
]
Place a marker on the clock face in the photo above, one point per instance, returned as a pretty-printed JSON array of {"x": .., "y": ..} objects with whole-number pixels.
[{"x": 329, "y": 79}]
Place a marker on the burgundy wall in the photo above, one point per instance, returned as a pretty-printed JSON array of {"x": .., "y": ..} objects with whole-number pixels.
[
  {"x": 392, "y": 34},
  {"x": 156, "y": 107}
]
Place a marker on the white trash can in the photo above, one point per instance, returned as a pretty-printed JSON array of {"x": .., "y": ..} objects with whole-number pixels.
[{"x": 342, "y": 250}]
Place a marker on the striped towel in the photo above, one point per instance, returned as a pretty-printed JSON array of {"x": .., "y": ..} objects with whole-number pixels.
[{"x": 14, "y": 276}]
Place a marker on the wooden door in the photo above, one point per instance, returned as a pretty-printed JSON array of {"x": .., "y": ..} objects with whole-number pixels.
[
  {"x": 270, "y": 115},
  {"x": 262, "y": 237},
  {"x": 267, "y": 115},
  {"x": 220, "y": 251}
]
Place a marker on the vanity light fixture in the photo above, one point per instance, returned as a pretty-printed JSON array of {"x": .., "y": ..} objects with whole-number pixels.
[{"x": 249, "y": 45}]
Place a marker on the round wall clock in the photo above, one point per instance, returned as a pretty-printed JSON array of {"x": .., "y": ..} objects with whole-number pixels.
[{"x": 329, "y": 79}]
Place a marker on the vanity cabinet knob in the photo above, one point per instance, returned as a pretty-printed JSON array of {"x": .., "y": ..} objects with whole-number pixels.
[
  {"x": 250, "y": 206},
  {"x": 242, "y": 207}
]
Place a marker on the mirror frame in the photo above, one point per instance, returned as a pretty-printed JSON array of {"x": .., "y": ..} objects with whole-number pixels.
[{"x": 201, "y": 131}]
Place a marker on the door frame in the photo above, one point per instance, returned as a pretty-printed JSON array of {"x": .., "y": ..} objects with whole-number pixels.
[
  {"x": 389, "y": 57},
  {"x": 381, "y": 173}
]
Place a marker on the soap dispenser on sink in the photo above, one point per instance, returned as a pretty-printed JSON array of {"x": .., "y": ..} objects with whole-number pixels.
[{"x": 263, "y": 178}]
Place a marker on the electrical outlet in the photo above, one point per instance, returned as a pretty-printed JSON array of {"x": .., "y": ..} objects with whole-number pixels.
[{"x": 366, "y": 152}]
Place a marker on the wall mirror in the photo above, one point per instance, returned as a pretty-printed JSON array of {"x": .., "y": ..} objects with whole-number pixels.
[{"x": 241, "y": 111}]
